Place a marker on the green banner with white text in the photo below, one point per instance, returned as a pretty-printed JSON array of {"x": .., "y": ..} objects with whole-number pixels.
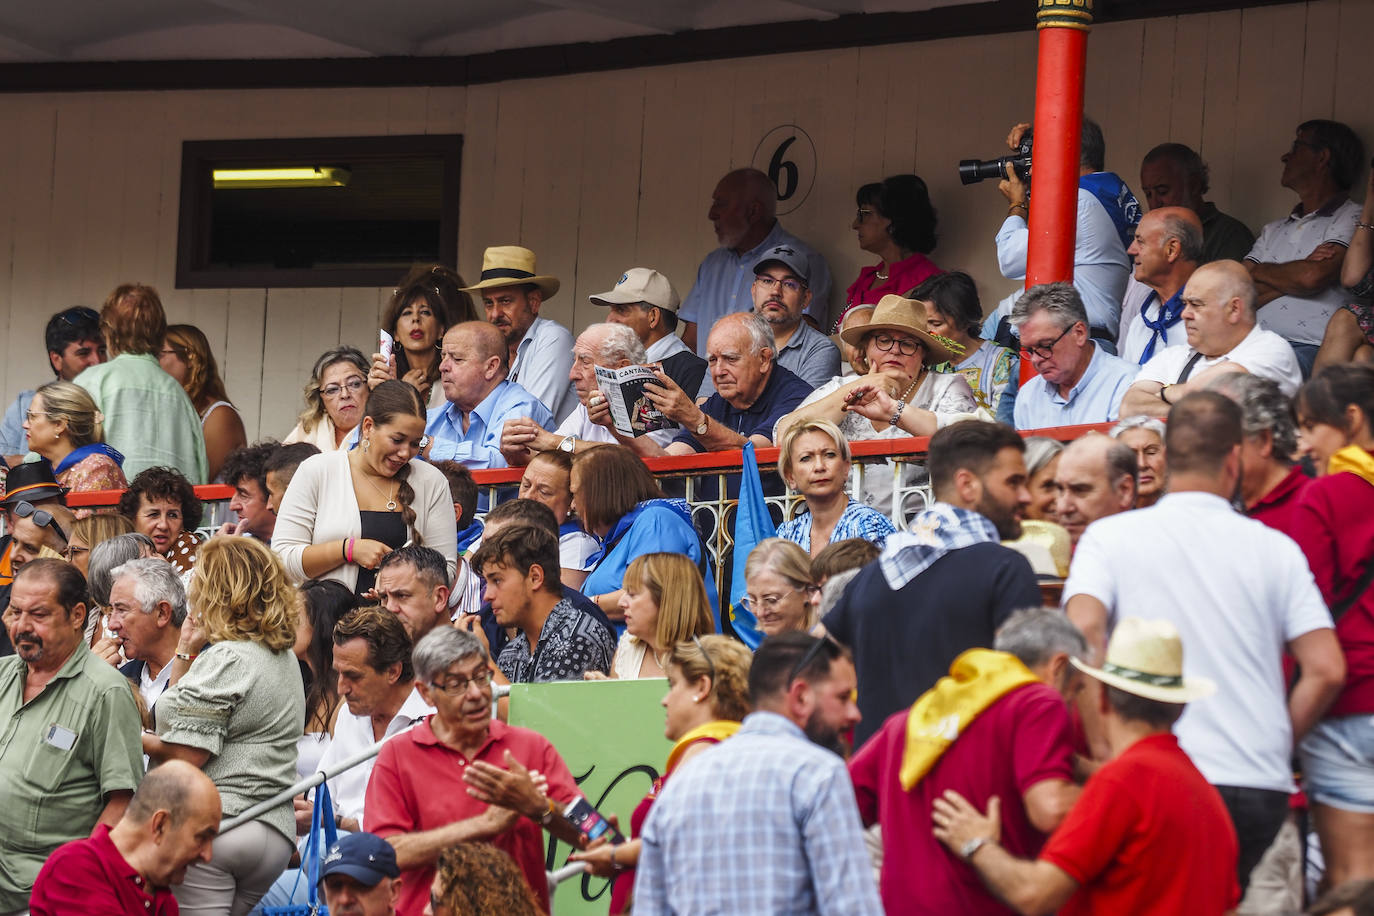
[{"x": 610, "y": 734}]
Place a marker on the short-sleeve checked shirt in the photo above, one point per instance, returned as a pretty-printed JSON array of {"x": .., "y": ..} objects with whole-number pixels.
[
  {"x": 61, "y": 755},
  {"x": 570, "y": 644},
  {"x": 764, "y": 823}
]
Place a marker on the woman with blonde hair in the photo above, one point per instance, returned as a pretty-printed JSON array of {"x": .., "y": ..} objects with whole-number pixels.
[
  {"x": 235, "y": 708},
  {"x": 778, "y": 587},
  {"x": 66, "y": 428},
  {"x": 708, "y": 697},
  {"x": 185, "y": 356},
  {"x": 334, "y": 400},
  {"x": 664, "y": 603},
  {"x": 814, "y": 460},
  {"x": 89, "y": 533}
]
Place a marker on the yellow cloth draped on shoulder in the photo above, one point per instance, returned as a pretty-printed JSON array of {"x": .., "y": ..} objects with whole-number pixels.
[
  {"x": 1354, "y": 459},
  {"x": 718, "y": 730},
  {"x": 975, "y": 681}
]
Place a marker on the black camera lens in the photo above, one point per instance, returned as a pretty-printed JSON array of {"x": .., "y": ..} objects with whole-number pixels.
[{"x": 972, "y": 171}]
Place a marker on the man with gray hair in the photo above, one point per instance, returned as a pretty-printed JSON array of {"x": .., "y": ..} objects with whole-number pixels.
[
  {"x": 1077, "y": 381},
  {"x": 1097, "y": 476},
  {"x": 146, "y": 610},
  {"x": 1167, "y": 248},
  {"x": 607, "y": 346},
  {"x": 1224, "y": 336},
  {"x": 998, "y": 725},
  {"x": 1271, "y": 483},
  {"x": 1174, "y": 175},
  {"x": 460, "y": 776},
  {"x": 744, "y": 215}
]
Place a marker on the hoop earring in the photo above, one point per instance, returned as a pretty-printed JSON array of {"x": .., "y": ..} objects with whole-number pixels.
[{"x": 367, "y": 444}]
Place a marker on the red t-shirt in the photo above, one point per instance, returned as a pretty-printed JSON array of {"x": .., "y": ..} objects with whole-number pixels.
[
  {"x": 1148, "y": 836},
  {"x": 417, "y": 785},
  {"x": 1334, "y": 525},
  {"x": 1276, "y": 507},
  {"x": 1021, "y": 739},
  {"x": 90, "y": 876}
]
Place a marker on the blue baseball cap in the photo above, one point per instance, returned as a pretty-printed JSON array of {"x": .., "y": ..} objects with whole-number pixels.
[
  {"x": 788, "y": 256},
  {"x": 365, "y": 857}
]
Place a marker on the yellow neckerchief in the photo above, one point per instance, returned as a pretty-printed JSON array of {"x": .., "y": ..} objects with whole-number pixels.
[
  {"x": 977, "y": 679},
  {"x": 719, "y": 730},
  {"x": 1354, "y": 459}
]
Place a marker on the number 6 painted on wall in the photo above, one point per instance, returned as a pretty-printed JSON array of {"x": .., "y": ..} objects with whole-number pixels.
[{"x": 778, "y": 167}]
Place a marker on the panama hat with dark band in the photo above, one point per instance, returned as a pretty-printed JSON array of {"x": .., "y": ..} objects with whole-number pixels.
[
  {"x": 511, "y": 265},
  {"x": 1145, "y": 658}
]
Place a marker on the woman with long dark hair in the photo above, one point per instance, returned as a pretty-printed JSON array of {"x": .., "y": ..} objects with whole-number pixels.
[
  {"x": 185, "y": 356},
  {"x": 429, "y": 301}
]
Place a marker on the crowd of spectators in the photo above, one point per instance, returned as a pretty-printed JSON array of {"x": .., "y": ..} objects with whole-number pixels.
[{"x": 1046, "y": 673}]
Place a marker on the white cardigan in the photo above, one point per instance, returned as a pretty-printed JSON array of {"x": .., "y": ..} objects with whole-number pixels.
[{"x": 320, "y": 505}]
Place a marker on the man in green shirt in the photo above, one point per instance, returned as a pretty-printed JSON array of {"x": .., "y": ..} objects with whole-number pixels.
[
  {"x": 70, "y": 749},
  {"x": 148, "y": 416}
]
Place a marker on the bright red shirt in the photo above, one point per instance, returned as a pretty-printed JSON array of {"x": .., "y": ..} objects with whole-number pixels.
[
  {"x": 1276, "y": 507},
  {"x": 1021, "y": 739},
  {"x": 1149, "y": 837},
  {"x": 1334, "y": 525},
  {"x": 90, "y": 876},
  {"x": 417, "y": 785}
]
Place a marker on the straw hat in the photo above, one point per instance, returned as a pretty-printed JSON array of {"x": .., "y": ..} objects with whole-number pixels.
[
  {"x": 893, "y": 313},
  {"x": 1145, "y": 657},
  {"x": 1047, "y": 547},
  {"x": 511, "y": 265}
]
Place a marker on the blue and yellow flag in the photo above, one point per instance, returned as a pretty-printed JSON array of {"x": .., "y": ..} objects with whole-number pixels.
[{"x": 752, "y": 524}]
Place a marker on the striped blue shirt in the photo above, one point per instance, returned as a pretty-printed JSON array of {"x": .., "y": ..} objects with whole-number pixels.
[{"x": 858, "y": 521}]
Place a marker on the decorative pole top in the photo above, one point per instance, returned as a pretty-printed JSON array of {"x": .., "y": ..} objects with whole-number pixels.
[{"x": 1064, "y": 14}]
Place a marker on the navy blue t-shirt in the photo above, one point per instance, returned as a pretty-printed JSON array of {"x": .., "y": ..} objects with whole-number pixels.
[{"x": 905, "y": 641}]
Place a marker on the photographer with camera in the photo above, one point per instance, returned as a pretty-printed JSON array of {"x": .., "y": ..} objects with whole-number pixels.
[{"x": 1107, "y": 215}]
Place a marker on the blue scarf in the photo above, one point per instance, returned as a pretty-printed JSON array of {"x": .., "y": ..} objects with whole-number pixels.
[
  {"x": 86, "y": 451},
  {"x": 680, "y": 506},
  {"x": 468, "y": 535},
  {"x": 935, "y": 532},
  {"x": 1117, "y": 200},
  {"x": 1169, "y": 315}
]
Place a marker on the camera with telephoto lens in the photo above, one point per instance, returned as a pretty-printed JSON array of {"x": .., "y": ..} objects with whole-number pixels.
[{"x": 972, "y": 171}]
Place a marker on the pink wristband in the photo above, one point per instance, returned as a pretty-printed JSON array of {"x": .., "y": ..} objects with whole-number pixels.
[{"x": 349, "y": 553}]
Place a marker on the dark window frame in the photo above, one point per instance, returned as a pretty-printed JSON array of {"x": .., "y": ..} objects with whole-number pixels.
[{"x": 193, "y": 225}]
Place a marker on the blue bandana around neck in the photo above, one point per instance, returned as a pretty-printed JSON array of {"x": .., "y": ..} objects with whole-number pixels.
[
  {"x": 1170, "y": 314},
  {"x": 1116, "y": 198},
  {"x": 85, "y": 451}
]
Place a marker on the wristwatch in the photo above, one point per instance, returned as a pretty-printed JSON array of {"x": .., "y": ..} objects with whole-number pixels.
[
  {"x": 968, "y": 849},
  {"x": 569, "y": 444},
  {"x": 705, "y": 422}
]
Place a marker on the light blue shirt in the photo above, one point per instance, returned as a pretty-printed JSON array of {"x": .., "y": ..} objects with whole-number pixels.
[
  {"x": 763, "y": 823},
  {"x": 811, "y": 356},
  {"x": 13, "y": 440},
  {"x": 724, "y": 282},
  {"x": 479, "y": 447},
  {"x": 1095, "y": 399},
  {"x": 542, "y": 363}
]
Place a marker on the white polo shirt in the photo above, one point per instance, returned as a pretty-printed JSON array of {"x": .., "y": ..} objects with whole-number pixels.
[
  {"x": 352, "y": 734},
  {"x": 1302, "y": 319},
  {"x": 1262, "y": 353},
  {"x": 1239, "y": 592}
]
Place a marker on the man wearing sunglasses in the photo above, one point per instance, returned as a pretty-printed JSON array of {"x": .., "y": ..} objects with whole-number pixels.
[
  {"x": 1078, "y": 381},
  {"x": 74, "y": 342},
  {"x": 31, "y": 530}
]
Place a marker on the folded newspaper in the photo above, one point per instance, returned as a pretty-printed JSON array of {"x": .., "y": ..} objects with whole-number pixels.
[{"x": 631, "y": 410}]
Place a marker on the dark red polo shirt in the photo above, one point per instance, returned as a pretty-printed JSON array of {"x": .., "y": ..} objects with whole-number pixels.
[
  {"x": 417, "y": 785},
  {"x": 90, "y": 876},
  {"x": 1275, "y": 508}
]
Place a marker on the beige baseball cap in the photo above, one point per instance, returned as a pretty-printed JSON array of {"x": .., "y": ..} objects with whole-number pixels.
[{"x": 641, "y": 284}]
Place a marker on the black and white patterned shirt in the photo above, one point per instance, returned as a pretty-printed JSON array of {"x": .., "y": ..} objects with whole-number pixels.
[{"x": 570, "y": 644}]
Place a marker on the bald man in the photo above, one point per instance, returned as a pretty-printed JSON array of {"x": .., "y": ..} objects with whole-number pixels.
[
  {"x": 1223, "y": 336},
  {"x": 1097, "y": 476},
  {"x": 474, "y": 363},
  {"x": 1166, "y": 250},
  {"x": 171, "y": 822},
  {"x": 744, "y": 215}
]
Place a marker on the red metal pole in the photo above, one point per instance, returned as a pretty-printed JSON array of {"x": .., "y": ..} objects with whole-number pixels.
[{"x": 1063, "y": 27}]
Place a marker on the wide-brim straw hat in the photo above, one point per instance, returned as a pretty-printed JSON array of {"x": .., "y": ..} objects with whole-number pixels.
[
  {"x": 908, "y": 316},
  {"x": 1145, "y": 657},
  {"x": 1046, "y": 545},
  {"x": 511, "y": 265}
]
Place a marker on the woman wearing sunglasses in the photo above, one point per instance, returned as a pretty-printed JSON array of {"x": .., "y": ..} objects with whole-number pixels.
[{"x": 902, "y": 394}]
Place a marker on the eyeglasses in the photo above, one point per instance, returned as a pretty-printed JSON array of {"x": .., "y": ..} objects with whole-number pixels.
[
  {"x": 769, "y": 284},
  {"x": 1045, "y": 351},
  {"x": 41, "y": 517},
  {"x": 768, "y": 602},
  {"x": 458, "y": 686},
  {"x": 354, "y": 385},
  {"x": 862, "y": 213},
  {"x": 71, "y": 553},
  {"x": 810, "y": 655},
  {"x": 907, "y": 346}
]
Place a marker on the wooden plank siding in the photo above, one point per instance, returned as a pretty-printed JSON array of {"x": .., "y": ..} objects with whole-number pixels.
[{"x": 601, "y": 171}]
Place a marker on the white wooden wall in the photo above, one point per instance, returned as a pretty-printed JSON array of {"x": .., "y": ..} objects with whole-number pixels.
[{"x": 600, "y": 172}]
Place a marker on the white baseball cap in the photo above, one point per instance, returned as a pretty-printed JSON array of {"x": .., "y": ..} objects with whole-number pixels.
[{"x": 641, "y": 284}]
